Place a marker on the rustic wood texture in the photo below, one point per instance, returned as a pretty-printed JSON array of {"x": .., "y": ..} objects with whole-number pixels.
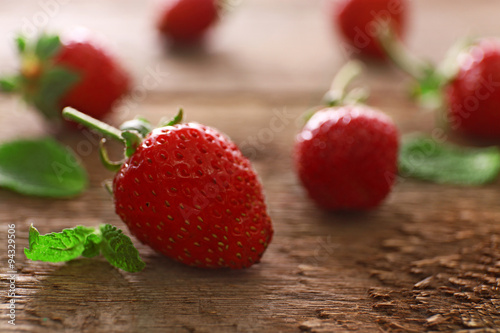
[{"x": 426, "y": 260}]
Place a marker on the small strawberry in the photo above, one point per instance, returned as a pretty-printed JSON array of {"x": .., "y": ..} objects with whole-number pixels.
[
  {"x": 473, "y": 96},
  {"x": 187, "y": 21},
  {"x": 188, "y": 192},
  {"x": 74, "y": 72},
  {"x": 466, "y": 85},
  {"x": 358, "y": 21},
  {"x": 346, "y": 154}
]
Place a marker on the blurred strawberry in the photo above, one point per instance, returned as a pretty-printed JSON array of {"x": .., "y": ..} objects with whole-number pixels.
[
  {"x": 473, "y": 96},
  {"x": 359, "y": 20},
  {"x": 74, "y": 72},
  {"x": 187, "y": 21},
  {"x": 465, "y": 86},
  {"x": 346, "y": 157},
  {"x": 346, "y": 154}
]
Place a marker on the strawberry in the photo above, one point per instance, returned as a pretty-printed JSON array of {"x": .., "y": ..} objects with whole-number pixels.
[
  {"x": 359, "y": 20},
  {"x": 465, "y": 84},
  {"x": 188, "y": 192},
  {"x": 76, "y": 72},
  {"x": 473, "y": 96},
  {"x": 187, "y": 21},
  {"x": 346, "y": 154},
  {"x": 346, "y": 157}
]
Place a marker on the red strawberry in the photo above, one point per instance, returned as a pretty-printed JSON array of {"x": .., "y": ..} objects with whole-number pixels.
[
  {"x": 359, "y": 20},
  {"x": 346, "y": 154},
  {"x": 76, "y": 72},
  {"x": 466, "y": 84},
  {"x": 186, "y": 21},
  {"x": 188, "y": 192},
  {"x": 346, "y": 157},
  {"x": 473, "y": 96}
]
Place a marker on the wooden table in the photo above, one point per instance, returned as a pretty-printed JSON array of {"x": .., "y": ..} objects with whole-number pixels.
[{"x": 426, "y": 260}]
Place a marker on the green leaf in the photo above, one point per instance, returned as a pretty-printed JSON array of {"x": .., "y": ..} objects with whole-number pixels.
[
  {"x": 119, "y": 250},
  {"x": 70, "y": 244},
  {"x": 21, "y": 44},
  {"x": 47, "y": 46},
  {"x": 174, "y": 121},
  {"x": 42, "y": 168},
  {"x": 424, "y": 158},
  {"x": 92, "y": 246},
  {"x": 54, "y": 83},
  {"x": 9, "y": 84},
  {"x": 58, "y": 246}
]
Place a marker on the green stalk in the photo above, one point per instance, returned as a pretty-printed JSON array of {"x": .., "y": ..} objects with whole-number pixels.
[
  {"x": 345, "y": 76},
  {"x": 339, "y": 87},
  {"x": 400, "y": 56},
  {"x": 71, "y": 114}
]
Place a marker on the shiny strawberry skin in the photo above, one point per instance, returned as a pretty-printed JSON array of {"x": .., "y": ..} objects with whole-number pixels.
[
  {"x": 185, "y": 21},
  {"x": 346, "y": 157},
  {"x": 102, "y": 81},
  {"x": 190, "y": 194},
  {"x": 473, "y": 97},
  {"x": 356, "y": 21}
]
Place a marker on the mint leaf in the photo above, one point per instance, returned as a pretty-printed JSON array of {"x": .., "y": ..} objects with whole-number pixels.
[
  {"x": 21, "y": 44},
  {"x": 54, "y": 83},
  {"x": 118, "y": 249},
  {"x": 9, "y": 84},
  {"x": 70, "y": 244},
  {"x": 426, "y": 159},
  {"x": 57, "y": 246},
  {"x": 47, "y": 46},
  {"x": 42, "y": 168},
  {"x": 91, "y": 246}
]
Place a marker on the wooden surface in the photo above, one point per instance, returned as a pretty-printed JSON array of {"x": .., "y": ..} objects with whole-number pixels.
[{"x": 426, "y": 260}]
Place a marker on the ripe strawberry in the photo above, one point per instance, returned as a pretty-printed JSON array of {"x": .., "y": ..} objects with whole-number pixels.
[
  {"x": 346, "y": 154},
  {"x": 465, "y": 85},
  {"x": 188, "y": 192},
  {"x": 473, "y": 96},
  {"x": 75, "y": 72},
  {"x": 359, "y": 20},
  {"x": 186, "y": 21},
  {"x": 346, "y": 157}
]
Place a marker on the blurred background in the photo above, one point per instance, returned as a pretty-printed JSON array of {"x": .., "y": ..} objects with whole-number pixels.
[
  {"x": 259, "y": 46},
  {"x": 262, "y": 53}
]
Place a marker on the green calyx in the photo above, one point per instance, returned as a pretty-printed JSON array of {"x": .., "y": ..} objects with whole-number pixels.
[
  {"x": 339, "y": 94},
  {"x": 40, "y": 81},
  {"x": 430, "y": 79},
  {"x": 131, "y": 133}
]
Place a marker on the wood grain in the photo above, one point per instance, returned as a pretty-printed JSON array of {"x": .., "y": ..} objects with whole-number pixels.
[{"x": 426, "y": 260}]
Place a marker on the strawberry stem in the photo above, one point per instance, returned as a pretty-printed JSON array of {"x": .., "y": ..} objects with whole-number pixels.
[
  {"x": 71, "y": 114},
  {"x": 338, "y": 93},
  {"x": 430, "y": 78},
  {"x": 103, "y": 154},
  {"x": 401, "y": 57}
]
